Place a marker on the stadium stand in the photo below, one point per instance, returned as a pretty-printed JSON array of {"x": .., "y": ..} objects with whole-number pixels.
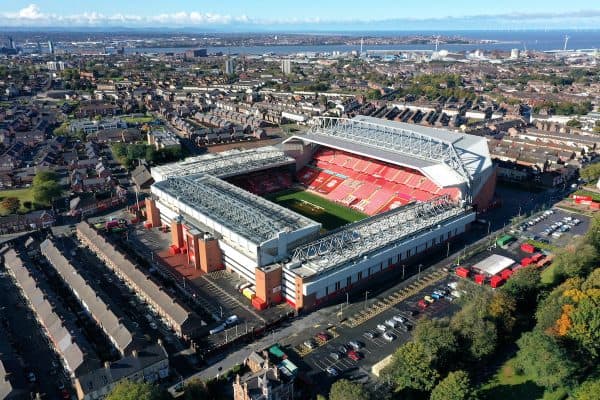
[{"x": 367, "y": 185}]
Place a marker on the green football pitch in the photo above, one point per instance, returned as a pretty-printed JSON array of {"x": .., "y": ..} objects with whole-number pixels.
[{"x": 329, "y": 214}]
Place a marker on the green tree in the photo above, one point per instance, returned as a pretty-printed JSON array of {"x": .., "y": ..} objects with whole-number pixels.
[
  {"x": 9, "y": 205},
  {"x": 45, "y": 187},
  {"x": 411, "y": 368},
  {"x": 477, "y": 333},
  {"x": 128, "y": 390},
  {"x": 456, "y": 386},
  {"x": 439, "y": 341},
  {"x": 524, "y": 286},
  {"x": 585, "y": 323},
  {"x": 588, "y": 390},
  {"x": 577, "y": 260},
  {"x": 574, "y": 123},
  {"x": 593, "y": 234},
  {"x": 503, "y": 309},
  {"x": 195, "y": 389},
  {"x": 541, "y": 357},
  {"x": 591, "y": 172},
  {"x": 346, "y": 390}
]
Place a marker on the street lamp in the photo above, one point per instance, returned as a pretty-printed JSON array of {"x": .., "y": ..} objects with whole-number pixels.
[
  {"x": 366, "y": 296},
  {"x": 419, "y": 276}
]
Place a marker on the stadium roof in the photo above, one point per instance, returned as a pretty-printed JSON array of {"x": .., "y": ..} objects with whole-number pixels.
[
  {"x": 244, "y": 213},
  {"x": 225, "y": 164},
  {"x": 121, "y": 337},
  {"x": 363, "y": 237},
  {"x": 445, "y": 157}
]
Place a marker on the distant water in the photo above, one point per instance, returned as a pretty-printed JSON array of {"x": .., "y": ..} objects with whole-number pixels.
[{"x": 506, "y": 40}]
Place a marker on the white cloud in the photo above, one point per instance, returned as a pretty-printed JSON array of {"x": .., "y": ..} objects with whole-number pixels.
[
  {"x": 33, "y": 15},
  {"x": 32, "y": 11}
]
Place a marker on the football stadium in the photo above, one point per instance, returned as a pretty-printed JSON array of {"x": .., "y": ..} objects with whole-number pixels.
[{"x": 323, "y": 212}]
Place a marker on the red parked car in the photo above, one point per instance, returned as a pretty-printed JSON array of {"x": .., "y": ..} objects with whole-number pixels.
[
  {"x": 354, "y": 355},
  {"x": 324, "y": 336},
  {"x": 423, "y": 304}
]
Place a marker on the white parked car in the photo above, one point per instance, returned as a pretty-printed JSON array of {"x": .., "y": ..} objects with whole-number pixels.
[
  {"x": 388, "y": 336},
  {"x": 382, "y": 327},
  {"x": 391, "y": 323},
  {"x": 232, "y": 320}
]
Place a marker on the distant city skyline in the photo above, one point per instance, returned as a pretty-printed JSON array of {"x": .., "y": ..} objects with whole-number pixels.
[{"x": 336, "y": 15}]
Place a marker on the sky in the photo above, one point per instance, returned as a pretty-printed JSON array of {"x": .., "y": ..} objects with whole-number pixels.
[{"x": 282, "y": 15}]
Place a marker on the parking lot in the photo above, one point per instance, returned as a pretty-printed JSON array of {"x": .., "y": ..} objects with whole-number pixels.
[
  {"x": 330, "y": 359},
  {"x": 555, "y": 228}
]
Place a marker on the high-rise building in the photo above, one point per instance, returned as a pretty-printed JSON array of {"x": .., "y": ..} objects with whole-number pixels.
[
  {"x": 229, "y": 66},
  {"x": 195, "y": 53},
  {"x": 11, "y": 43},
  {"x": 514, "y": 53},
  {"x": 50, "y": 47},
  {"x": 286, "y": 66}
]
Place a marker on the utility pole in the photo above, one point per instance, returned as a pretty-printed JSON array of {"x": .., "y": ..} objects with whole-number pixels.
[
  {"x": 419, "y": 276},
  {"x": 366, "y": 296}
]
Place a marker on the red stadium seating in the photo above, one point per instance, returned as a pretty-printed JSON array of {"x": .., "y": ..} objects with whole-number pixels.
[{"x": 368, "y": 185}]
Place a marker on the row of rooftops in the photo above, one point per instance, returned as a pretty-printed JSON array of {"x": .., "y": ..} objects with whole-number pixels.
[
  {"x": 183, "y": 320},
  {"x": 119, "y": 334},
  {"x": 75, "y": 350},
  {"x": 244, "y": 213}
]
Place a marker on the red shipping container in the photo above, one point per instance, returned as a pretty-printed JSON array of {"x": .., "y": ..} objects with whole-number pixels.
[
  {"x": 462, "y": 272},
  {"x": 148, "y": 225},
  {"x": 526, "y": 261},
  {"x": 537, "y": 257},
  {"x": 479, "y": 279},
  {"x": 581, "y": 197},
  {"x": 595, "y": 206},
  {"x": 174, "y": 249},
  {"x": 507, "y": 273},
  {"x": 496, "y": 281},
  {"x": 528, "y": 248}
]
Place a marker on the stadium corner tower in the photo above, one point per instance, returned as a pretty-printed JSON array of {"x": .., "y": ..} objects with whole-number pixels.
[{"x": 416, "y": 188}]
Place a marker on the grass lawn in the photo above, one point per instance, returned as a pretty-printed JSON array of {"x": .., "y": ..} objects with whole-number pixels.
[
  {"x": 138, "y": 120},
  {"x": 329, "y": 214},
  {"x": 22, "y": 194},
  {"x": 508, "y": 385}
]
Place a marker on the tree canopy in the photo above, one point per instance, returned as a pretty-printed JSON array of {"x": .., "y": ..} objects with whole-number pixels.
[
  {"x": 45, "y": 187},
  {"x": 456, "y": 386},
  {"x": 541, "y": 357},
  {"x": 343, "y": 389},
  {"x": 411, "y": 368},
  {"x": 128, "y": 390}
]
